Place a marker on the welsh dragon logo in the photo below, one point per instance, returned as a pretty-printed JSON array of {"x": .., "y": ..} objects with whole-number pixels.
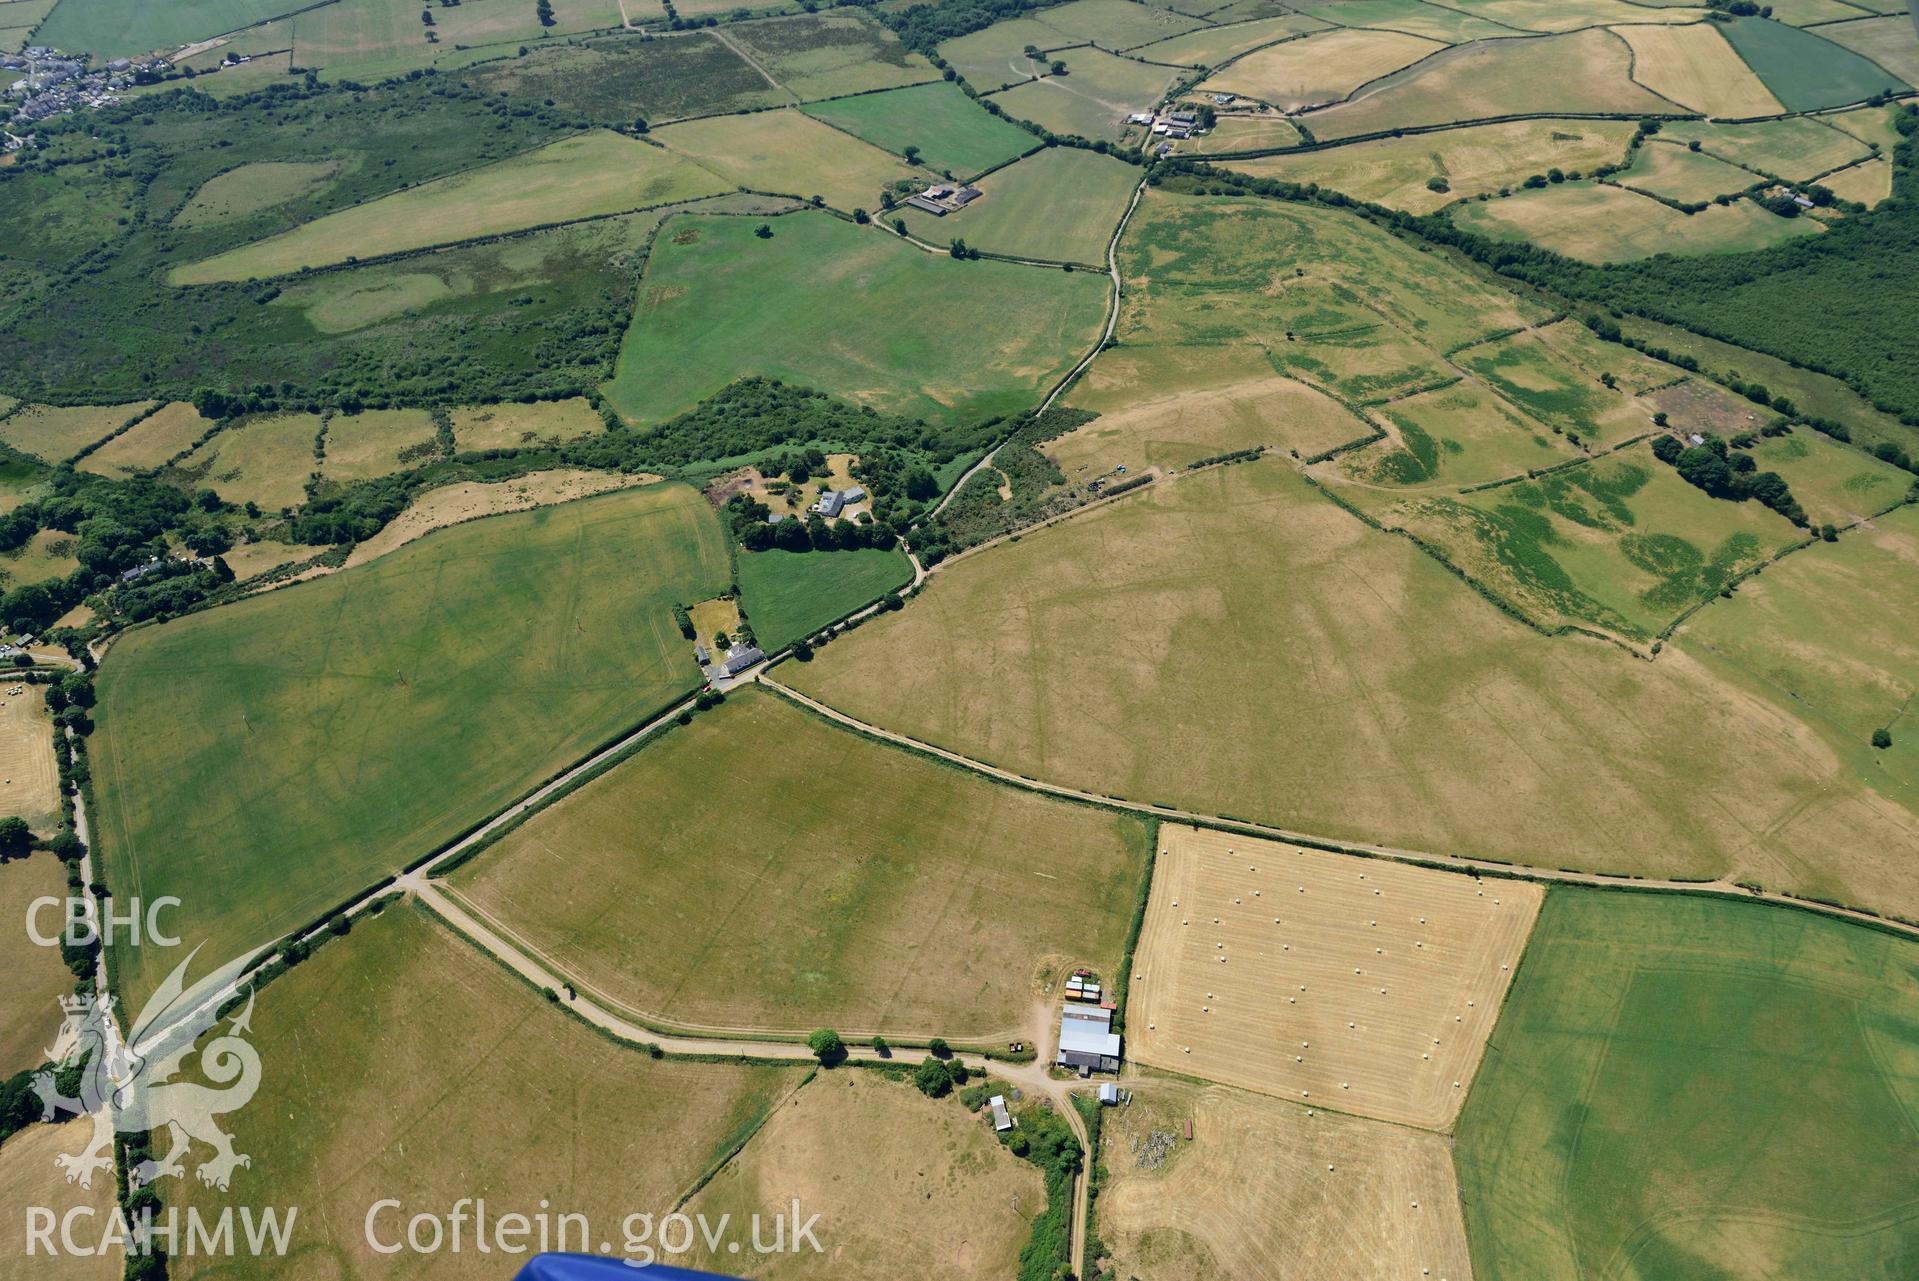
[{"x": 128, "y": 1085}]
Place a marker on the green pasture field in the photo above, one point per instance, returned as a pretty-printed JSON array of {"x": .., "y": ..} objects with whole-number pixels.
[
  {"x": 1241, "y": 133},
  {"x": 1621, "y": 544},
  {"x": 374, "y": 39},
  {"x": 586, "y": 176},
  {"x": 788, "y": 595},
  {"x": 268, "y": 758},
  {"x": 55, "y": 433},
  {"x": 252, "y": 187},
  {"x": 1370, "y": 315},
  {"x": 1571, "y": 15},
  {"x": 792, "y": 153},
  {"x": 1557, "y": 383},
  {"x": 1116, "y": 24},
  {"x": 842, "y": 309},
  {"x": 426, "y": 1035},
  {"x": 112, "y": 28},
  {"x": 1821, "y": 631},
  {"x": 824, "y": 55},
  {"x": 1093, "y": 99},
  {"x": 1835, "y": 483},
  {"x": 1061, "y": 204},
  {"x": 1804, "y": 13},
  {"x": 1584, "y": 72},
  {"x": 1595, "y": 222},
  {"x": 1812, "y": 393},
  {"x": 1473, "y": 160},
  {"x": 1890, "y": 42},
  {"x": 263, "y": 460},
  {"x": 377, "y": 442},
  {"x": 1690, "y": 177},
  {"x": 622, "y": 77},
  {"x": 1804, "y": 71},
  {"x": 1692, "y": 1088},
  {"x": 257, "y": 73},
  {"x": 1211, "y": 46},
  {"x": 1414, "y": 17},
  {"x": 1457, "y": 435},
  {"x": 252, "y": 42},
  {"x": 1324, "y": 67},
  {"x": 1439, "y": 722},
  {"x": 842, "y": 882},
  {"x": 150, "y": 443},
  {"x": 994, "y": 58},
  {"x": 1795, "y": 148},
  {"x": 953, "y": 133}
]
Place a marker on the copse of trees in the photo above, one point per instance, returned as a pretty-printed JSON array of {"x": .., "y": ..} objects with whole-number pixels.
[{"x": 1723, "y": 473}]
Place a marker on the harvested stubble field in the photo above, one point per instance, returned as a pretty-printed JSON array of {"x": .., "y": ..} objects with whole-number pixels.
[
  {"x": 1415, "y": 17},
  {"x": 1891, "y": 42},
  {"x": 584, "y": 176},
  {"x": 1095, "y": 96},
  {"x": 825, "y": 304},
  {"x": 1061, "y": 204},
  {"x": 868, "y": 1155},
  {"x": 266, "y": 759},
  {"x": 402, "y": 1062},
  {"x": 1324, "y": 67},
  {"x": 1115, "y": 24},
  {"x": 794, "y": 154},
  {"x": 760, "y": 868},
  {"x": 1572, "y": 15},
  {"x": 264, "y": 460},
  {"x": 55, "y": 434},
  {"x": 1210, "y": 46},
  {"x": 1868, "y": 182},
  {"x": 1696, "y": 68},
  {"x": 29, "y": 783},
  {"x": 1439, "y": 722},
  {"x": 36, "y": 976},
  {"x": 1268, "y": 1188},
  {"x": 1595, "y": 222},
  {"x": 1479, "y": 158},
  {"x": 1365, "y": 986},
  {"x": 149, "y": 443},
  {"x": 28, "y": 1176},
  {"x": 1684, "y": 1087},
  {"x": 1586, "y": 72},
  {"x": 1242, "y": 133}
]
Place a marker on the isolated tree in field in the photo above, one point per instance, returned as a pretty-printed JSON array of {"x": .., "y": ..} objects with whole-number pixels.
[
  {"x": 544, "y": 11},
  {"x": 912, "y": 155},
  {"x": 763, "y": 231},
  {"x": 426, "y": 17},
  {"x": 826, "y": 1045},
  {"x": 1881, "y": 739},
  {"x": 16, "y": 838},
  {"x": 1059, "y": 67}
]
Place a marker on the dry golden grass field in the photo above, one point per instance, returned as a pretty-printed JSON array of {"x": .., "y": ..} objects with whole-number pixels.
[
  {"x": 791, "y": 153},
  {"x": 882, "y": 1165},
  {"x": 56, "y": 434},
  {"x": 1272, "y": 1189},
  {"x": 1177, "y": 427},
  {"x": 36, "y": 976},
  {"x": 29, "y": 783},
  {"x": 248, "y": 559},
  {"x": 375, "y": 443},
  {"x": 265, "y": 461},
  {"x": 472, "y": 499},
  {"x": 1323, "y": 67},
  {"x": 1480, "y": 158},
  {"x": 1368, "y": 986},
  {"x": 1868, "y": 182},
  {"x": 402, "y": 1062},
  {"x": 512, "y": 426},
  {"x": 149, "y": 443},
  {"x": 1355, "y": 689},
  {"x": 28, "y": 1176},
  {"x": 1695, "y": 67}
]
